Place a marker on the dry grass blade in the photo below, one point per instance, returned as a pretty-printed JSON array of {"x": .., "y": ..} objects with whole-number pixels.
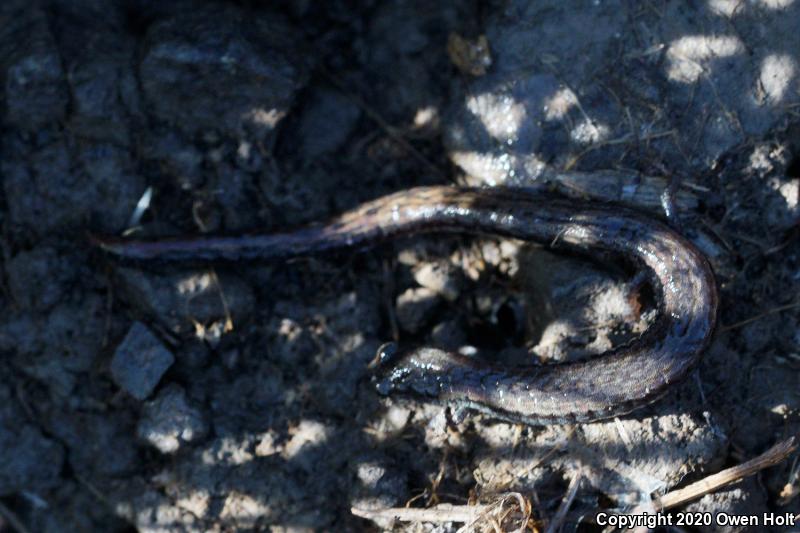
[
  {"x": 383, "y": 124},
  {"x": 792, "y": 486},
  {"x": 12, "y": 520},
  {"x": 772, "y": 311}
]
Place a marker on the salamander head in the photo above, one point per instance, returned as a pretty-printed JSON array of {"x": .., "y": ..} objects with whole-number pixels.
[{"x": 420, "y": 371}]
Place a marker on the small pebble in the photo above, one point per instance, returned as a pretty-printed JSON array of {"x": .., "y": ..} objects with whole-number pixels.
[
  {"x": 268, "y": 445},
  {"x": 415, "y": 308},
  {"x": 28, "y": 459},
  {"x": 169, "y": 421},
  {"x": 140, "y": 361},
  {"x": 449, "y": 335},
  {"x": 326, "y": 123},
  {"x": 439, "y": 277},
  {"x": 380, "y": 483},
  {"x": 38, "y": 279}
]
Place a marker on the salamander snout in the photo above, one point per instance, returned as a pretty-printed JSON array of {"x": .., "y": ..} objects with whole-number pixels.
[{"x": 421, "y": 371}]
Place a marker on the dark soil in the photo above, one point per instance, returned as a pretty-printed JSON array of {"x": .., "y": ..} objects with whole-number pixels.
[{"x": 213, "y": 397}]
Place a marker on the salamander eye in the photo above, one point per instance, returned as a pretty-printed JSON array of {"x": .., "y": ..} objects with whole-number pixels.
[{"x": 385, "y": 354}]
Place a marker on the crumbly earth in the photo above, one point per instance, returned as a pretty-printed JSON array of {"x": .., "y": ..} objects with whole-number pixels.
[{"x": 213, "y": 397}]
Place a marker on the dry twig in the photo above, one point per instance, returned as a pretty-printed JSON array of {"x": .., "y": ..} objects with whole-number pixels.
[
  {"x": 470, "y": 515},
  {"x": 555, "y": 523},
  {"x": 444, "y": 512},
  {"x": 714, "y": 482}
]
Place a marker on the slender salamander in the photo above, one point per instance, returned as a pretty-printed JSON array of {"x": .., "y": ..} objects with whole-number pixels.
[{"x": 611, "y": 384}]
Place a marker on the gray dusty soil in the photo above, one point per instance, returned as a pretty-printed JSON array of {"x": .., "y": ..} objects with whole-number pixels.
[{"x": 237, "y": 397}]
